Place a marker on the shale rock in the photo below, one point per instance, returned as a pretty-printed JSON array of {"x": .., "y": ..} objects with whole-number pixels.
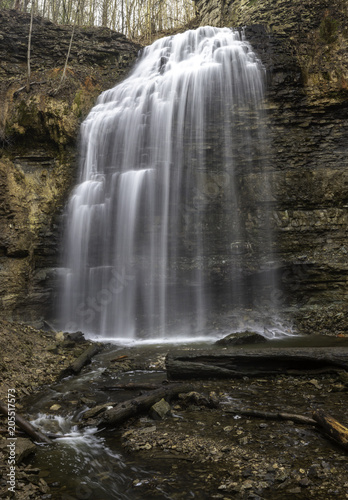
[
  {"x": 23, "y": 448},
  {"x": 160, "y": 410},
  {"x": 304, "y": 48},
  {"x": 38, "y": 134}
]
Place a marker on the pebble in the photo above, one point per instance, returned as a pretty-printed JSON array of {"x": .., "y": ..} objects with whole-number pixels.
[{"x": 55, "y": 407}]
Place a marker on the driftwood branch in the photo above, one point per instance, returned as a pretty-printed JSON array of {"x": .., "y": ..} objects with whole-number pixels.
[
  {"x": 332, "y": 428},
  {"x": 300, "y": 419},
  {"x": 236, "y": 362},
  {"x": 82, "y": 360},
  {"x": 324, "y": 423},
  {"x": 135, "y": 406},
  {"x": 26, "y": 426}
]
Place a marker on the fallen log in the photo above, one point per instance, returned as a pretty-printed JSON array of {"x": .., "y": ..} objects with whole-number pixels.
[
  {"x": 332, "y": 428},
  {"x": 97, "y": 410},
  {"x": 123, "y": 411},
  {"x": 82, "y": 360},
  {"x": 324, "y": 423},
  {"x": 26, "y": 426},
  {"x": 134, "y": 387},
  {"x": 268, "y": 415},
  {"x": 239, "y": 362}
]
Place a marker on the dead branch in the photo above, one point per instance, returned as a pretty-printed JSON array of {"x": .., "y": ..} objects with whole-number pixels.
[
  {"x": 135, "y": 406},
  {"x": 324, "y": 423},
  {"x": 26, "y": 426},
  {"x": 332, "y": 428},
  {"x": 18, "y": 91},
  {"x": 82, "y": 360},
  {"x": 300, "y": 419}
]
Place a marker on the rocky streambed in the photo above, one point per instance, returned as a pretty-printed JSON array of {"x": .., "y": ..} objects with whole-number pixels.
[{"x": 202, "y": 448}]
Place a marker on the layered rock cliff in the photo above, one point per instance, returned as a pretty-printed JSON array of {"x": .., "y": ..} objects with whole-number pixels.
[
  {"x": 304, "y": 48},
  {"x": 38, "y": 137}
]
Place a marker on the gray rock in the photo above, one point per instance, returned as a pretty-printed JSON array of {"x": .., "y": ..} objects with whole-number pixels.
[
  {"x": 160, "y": 410},
  {"x": 24, "y": 447},
  {"x": 76, "y": 337},
  {"x": 241, "y": 338}
]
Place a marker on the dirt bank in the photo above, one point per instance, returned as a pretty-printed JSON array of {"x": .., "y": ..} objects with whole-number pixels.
[{"x": 32, "y": 358}]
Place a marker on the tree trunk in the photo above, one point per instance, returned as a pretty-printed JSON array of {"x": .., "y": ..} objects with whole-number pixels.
[
  {"x": 133, "y": 407},
  {"x": 29, "y": 46},
  {"x": 105, "y": 13},
  {"x": 333, "y": 429},
  {"x": 82, "y": 360},
  {"x": 253, "y": 363},
  {"x": 268, "y": 415},
  {"x": 70, "y": 45}
]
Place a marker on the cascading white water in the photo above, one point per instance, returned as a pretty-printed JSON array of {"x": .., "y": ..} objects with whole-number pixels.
[{"x": 157, "y": 204}]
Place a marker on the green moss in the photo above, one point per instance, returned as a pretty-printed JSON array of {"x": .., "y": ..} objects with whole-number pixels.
[
  {"x": 77, "y": 106},
  {"x": 328, "y": 30},
  {"x": 26, "y": 115}
]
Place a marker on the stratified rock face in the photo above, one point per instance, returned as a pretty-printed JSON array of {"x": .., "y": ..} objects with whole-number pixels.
[
  {"x": 38, "y": 135},
  {"x": 304, "y": 47},
  {"x": 311, "y": 35}
]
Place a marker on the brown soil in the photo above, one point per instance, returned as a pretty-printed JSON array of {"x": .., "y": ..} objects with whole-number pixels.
[{"x": 30, "y": 358}]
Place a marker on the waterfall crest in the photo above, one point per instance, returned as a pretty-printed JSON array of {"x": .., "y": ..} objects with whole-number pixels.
[{"x": 157, "y": 228}]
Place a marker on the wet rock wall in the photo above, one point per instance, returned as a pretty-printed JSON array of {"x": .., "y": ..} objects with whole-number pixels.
[
  {"x": 303, "y": 46},
  {"x": 38, "y": 139}
]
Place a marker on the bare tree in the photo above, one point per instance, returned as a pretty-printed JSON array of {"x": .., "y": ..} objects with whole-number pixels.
[
  {"x": 138, "y": 19},
  {"x": 105, "y": 12},
  {"x": 29, "y": 45},
  {"x": 70, "y": 45}
]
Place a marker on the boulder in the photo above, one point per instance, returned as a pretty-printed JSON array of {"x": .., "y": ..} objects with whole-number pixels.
[
  {"x": 160, "y": 410},
  {"x": 242, "y": 338}
]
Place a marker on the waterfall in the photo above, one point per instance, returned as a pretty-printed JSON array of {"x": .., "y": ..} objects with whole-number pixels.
[{"x": 161, "y": 234}]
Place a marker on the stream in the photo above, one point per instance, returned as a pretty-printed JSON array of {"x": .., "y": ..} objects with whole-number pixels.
[
  {"x": 88, "y": 462},
  {"x": 92, "y": 463}
]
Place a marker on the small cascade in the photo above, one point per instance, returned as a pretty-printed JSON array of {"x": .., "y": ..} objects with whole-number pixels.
[
  {"x": 82, "y": 462},
  {"x": 161, "y": 231}
]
